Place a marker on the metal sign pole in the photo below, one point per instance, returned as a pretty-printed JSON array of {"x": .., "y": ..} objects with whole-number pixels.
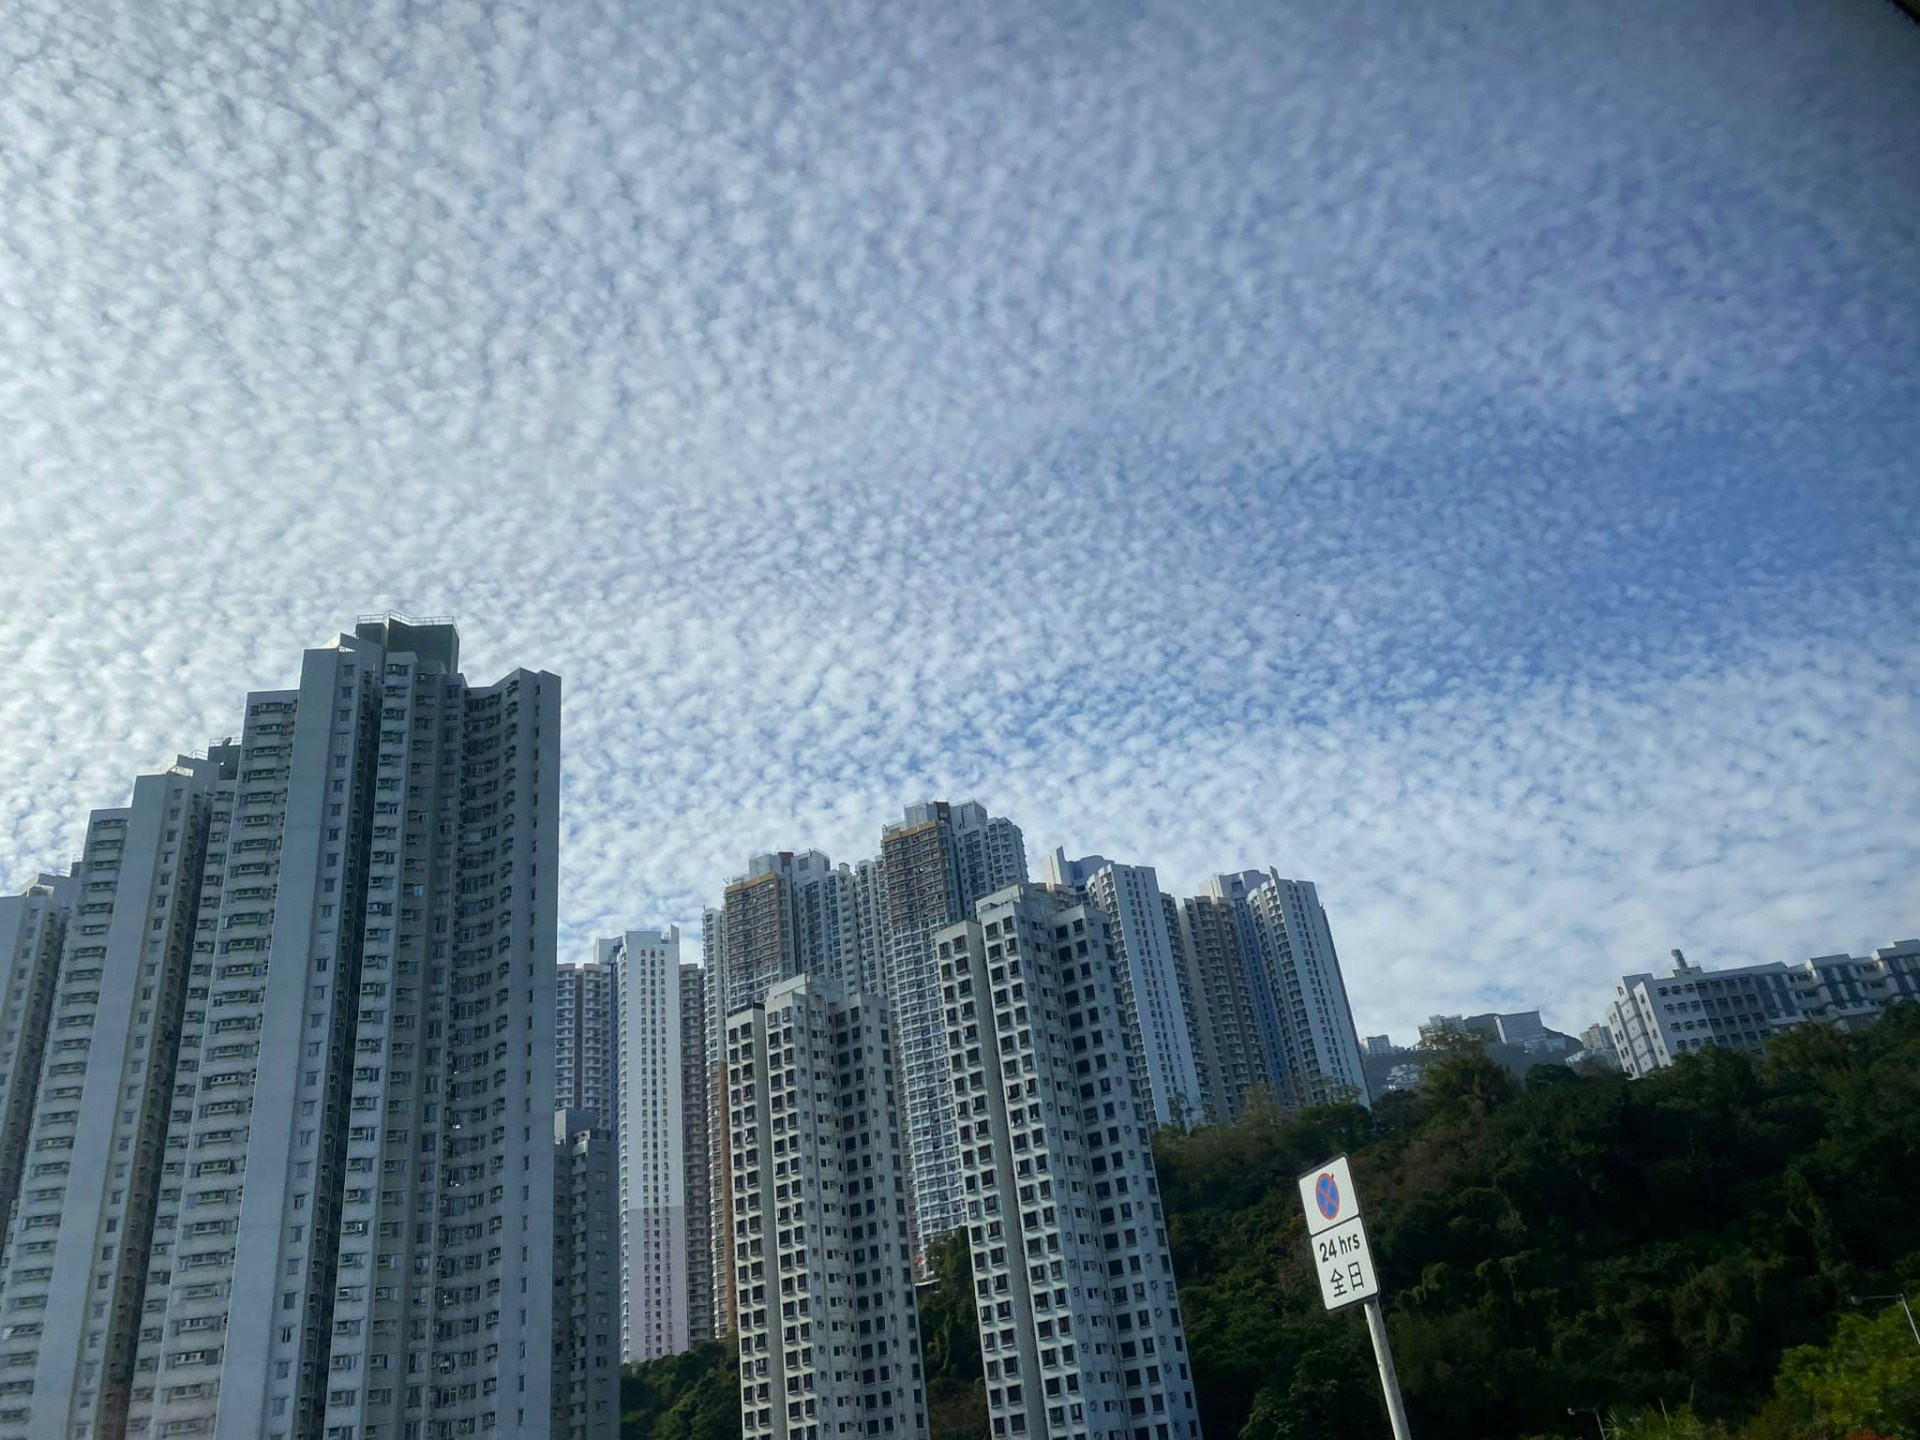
[
  {"x": 1343, "y": 1261},
  {"x": 1389, "y": 1382}
]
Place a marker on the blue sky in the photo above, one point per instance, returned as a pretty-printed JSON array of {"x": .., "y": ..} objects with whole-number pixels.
[{"x": 1461, "y": 455}]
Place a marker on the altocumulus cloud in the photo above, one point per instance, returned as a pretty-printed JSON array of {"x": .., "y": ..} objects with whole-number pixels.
[{"x": 1466, "y": 459}]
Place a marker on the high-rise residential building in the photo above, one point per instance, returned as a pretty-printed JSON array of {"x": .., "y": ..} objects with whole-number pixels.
[
  {"x": 792, "y": 913},
  {"x": 315, "y": 1063},
  {"x": 96, "y": 1163},
  {"x": 869, "y": 906},
  {"x": 586, "y": 1278},
  {"x": 33, "y": 930},
  {"x": 1304, "y": 1000},
  {"x": 935, "y": 863},
  {"x": 694, "y": 1144},
  {"x": 1656, "y": 1018},
  {"x": 585, "y": 1051},
  {"x": 1262, "y": 952},
  {"x": 713, "y": 924},
  {"x": 829, "y": 1341},
  {"x": 657, "y": 1039},
  {"x": 1228, "y": 1050},
  {"x": 1080, "y": 1327},
  {"x": 1156, "y": 1010}
]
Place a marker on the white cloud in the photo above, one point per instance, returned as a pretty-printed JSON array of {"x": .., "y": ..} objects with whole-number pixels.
[{"x": 1465, "y": 465}]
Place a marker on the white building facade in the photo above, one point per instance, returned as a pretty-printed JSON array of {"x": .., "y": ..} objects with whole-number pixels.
[
  {"x": 586, "y": 1279},
  {"x": 823, "y": 1269},
  {"x": 1655, "y": 1019},
  {"x": 1316, "y": 1048},
  {"x": 653, "y": 1036},
  {"x": 1080, "y": 1327},
  {"x": 33, "y": 931},
  {"x": 935, "y": 864},
  {"x": 351, "y": 1224},
  {"x": 78, "y": 1240},
  {"x": 1155, "y": 1004},
  {"x": 585, "y": 1052}
]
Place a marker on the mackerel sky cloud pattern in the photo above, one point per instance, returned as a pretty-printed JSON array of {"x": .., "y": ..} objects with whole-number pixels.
[{"x": 1465, "y": 456}]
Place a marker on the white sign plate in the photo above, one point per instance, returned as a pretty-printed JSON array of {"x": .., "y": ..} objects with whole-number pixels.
[
  {"x": 1344, "y": 1262},
  {"x": 1327, "y": 1195}
]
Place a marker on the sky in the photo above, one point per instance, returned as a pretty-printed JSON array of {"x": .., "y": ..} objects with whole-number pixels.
[{"x": 1462, "y": 455}]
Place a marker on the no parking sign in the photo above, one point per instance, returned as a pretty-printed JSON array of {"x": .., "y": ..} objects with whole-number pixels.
[{"x": 1342, "y": 1259}]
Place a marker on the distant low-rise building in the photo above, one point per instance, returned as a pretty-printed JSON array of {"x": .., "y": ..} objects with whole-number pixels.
[
  {"x": 1596, "y": 1048},
  {"x": 1656, "y": 1018},
  {"x": 1523, "y": 1029}
]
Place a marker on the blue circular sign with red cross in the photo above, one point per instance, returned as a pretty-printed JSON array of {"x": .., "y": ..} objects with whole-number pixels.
[{"x": 1326, "y": 1194}]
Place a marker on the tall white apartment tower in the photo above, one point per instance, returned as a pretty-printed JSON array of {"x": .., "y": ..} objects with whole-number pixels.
[
  {"x": 1080, "y": 1328},
  {"x": 586, "y": 1279},
  {"x": 81, "y": 1229},
  {"x": 1154, "y": 1007},
  {"x": 792, "y": 913},
  {"x": 1318, "y": 1049},
  {"x": 694, "y": 1147},
  {"x": 381, "y": 956},
  {"x": 317, "y": 1065},
  {"x": 653, "y": 1035},
  {"x": 585, "y": 1053},
  {"x": 1275, "y": 1001},
  {"x": 935, "y": 863},
  {"x": 713, "y": 926},
  {"x": 33, "y": 930},
  {"x": 1228, "y": 1048},
  {"x": 829, "y": 1342}
]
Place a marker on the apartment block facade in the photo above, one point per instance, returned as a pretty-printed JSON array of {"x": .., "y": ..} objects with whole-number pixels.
[
  {"x": 1655, "y": 1019},
  {"x": 1271, "y": 1001},
  {"x": 829, "y": 1342},
  {"x": 935, "y": 864},
  {"x": 586, "y": 1278},
  {"x": 1080, "y": 1327},
  {"x": 33, "y": 932},
  {"x": 695, "y": 1144},
  {"x": 659, "y": 1228},
  {"x": 329, "y": 1100},
  {"x": 1156, "y": 1002},
  {"x": 1229, "y": 1053},
  {"x": 83, "y": 1223},
  {"x": 1303, "y": 1003},
  {"x": 792, "y": 913},
  {"x": 585, "y": 1052}
]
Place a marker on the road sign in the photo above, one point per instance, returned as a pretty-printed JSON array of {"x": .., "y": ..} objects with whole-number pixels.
[
  {"x": 1327, "y": 1196},
  {"x": 1344, "y": 1262}
]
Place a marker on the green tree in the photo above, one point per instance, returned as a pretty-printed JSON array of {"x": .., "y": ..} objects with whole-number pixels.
[
  {"x": 694, "y": 1395},
  {"x": 1866, "y": 1378},
  {"x": 950, "y": 1344}
]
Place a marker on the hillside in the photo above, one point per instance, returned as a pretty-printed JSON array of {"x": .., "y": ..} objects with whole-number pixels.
[{"x": 1680, "y": 1245}]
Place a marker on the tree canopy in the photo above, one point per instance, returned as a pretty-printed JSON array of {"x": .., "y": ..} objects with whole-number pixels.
[{"x": 1585, "y": 1242}]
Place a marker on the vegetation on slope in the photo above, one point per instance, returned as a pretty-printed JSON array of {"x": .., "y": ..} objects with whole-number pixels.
[
  {"x": 1674, "y": 1252},
  {"x": 691, "y": 1396},
  {"x": 1582, "y": 1242}
]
